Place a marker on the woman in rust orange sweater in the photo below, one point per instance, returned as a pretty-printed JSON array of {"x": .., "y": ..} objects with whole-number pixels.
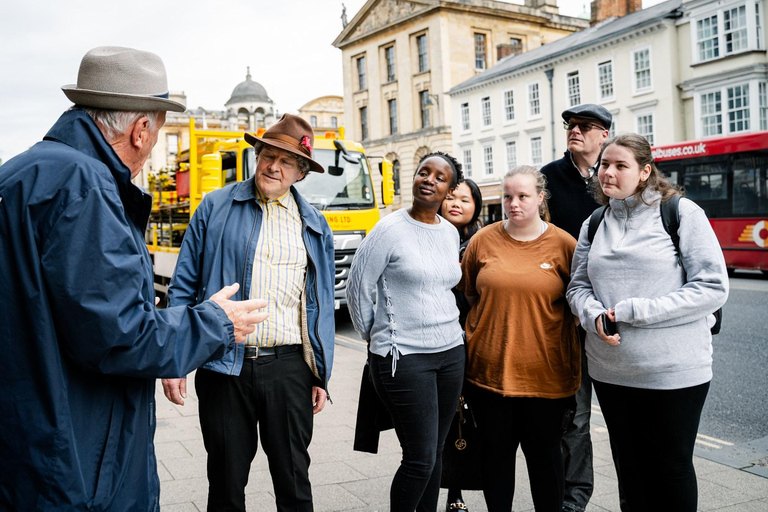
[{"x": 523, "y": 364}]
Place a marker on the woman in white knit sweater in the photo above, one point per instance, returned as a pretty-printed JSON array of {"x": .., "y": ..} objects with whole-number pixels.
[
  {"x": 652, "y": 376},
  {"x": 400, "y": 300}
]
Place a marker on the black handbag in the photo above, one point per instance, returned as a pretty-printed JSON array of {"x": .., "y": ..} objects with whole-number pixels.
[{"x": 462, "y": 453}]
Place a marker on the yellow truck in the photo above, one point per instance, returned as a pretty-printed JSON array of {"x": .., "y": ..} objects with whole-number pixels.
[{"x": 344, "y": 194}]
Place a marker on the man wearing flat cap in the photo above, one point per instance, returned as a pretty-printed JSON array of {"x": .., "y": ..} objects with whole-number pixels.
[
  {"x": 569, "y": 181},
  {"x": 81, "y": 340},
  {"x": 263, "y": 233}
]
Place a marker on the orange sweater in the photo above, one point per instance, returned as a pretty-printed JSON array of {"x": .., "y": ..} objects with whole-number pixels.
[{"x": 521, "y": 337}]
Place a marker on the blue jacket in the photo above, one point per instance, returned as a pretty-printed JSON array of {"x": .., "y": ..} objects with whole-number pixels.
[
  {"x": 219, "y": 248},
  {"x": 80, "y": 338}
]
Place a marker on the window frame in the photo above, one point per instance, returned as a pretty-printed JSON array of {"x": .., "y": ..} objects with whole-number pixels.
[
  {"x": 529, "y": 89},
  {"x": 531, "y": 146},
  {"x": 508, "y": 106},
  {"x": 486, "y": 112},
  {"x": 364, "y": 129},
  {"x": 361, "y": 72},
  {"x": 488, "y": 159},
  {"x": 390, "y": 66},
  {"x": 393, "y": 121},
  {"x": 481, "y": 59},
  {"x": 646, "y": 89},
  {"x": 422, "y": 59},
  {"x": 464, "y": 115},
  {"x": 643, "y": 114},
  {"x": 719, "y": 33},
  {"x": 573, "y": 88},
  {"x": 603, "y": 98}
]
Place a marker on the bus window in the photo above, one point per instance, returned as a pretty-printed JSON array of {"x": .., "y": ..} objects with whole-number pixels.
[
  {"x": 706, "y": 182},
  {"x": 750, "y": 176}
]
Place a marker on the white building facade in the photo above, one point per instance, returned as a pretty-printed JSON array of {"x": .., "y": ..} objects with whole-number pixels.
[{"x": 673, "y": 72}]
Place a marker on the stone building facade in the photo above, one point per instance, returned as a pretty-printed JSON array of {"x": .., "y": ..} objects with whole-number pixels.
[{"x": 323, "y": 114}]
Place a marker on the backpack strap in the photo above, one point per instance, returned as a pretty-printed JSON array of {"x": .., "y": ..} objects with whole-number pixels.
[
  {"x": 670, "y": 218},
  {"x": 594, "y": 222}
]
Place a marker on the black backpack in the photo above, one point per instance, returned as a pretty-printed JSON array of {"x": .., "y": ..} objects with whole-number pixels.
[{"x": 670, "y": 218}]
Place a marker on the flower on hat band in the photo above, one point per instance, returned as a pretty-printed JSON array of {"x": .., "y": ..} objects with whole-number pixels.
[{"x": 305, "y": 143}]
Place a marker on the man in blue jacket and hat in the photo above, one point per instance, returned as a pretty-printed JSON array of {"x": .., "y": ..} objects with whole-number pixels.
[{"x": 81, "y": 340}]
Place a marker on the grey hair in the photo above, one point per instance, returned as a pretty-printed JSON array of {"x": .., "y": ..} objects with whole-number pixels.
[
  {"x": 541, "y": 185},
  {"x": 114, "y": 123},
  {"x": 302, "y": 162}
]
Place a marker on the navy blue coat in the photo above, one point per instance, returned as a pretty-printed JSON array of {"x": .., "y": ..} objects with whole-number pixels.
[
  {"x": 80, "y": 338},
  {"x": 219, "y": 248}
]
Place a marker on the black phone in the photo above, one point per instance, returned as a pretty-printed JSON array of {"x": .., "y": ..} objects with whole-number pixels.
[{"x": 609, "y": 327}]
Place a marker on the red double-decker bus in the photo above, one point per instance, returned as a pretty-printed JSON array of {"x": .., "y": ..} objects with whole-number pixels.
[{"x": 728, "y": 177}]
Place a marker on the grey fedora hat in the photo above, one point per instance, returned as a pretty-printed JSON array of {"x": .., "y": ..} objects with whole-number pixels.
[{"x": 117, "y": 78}]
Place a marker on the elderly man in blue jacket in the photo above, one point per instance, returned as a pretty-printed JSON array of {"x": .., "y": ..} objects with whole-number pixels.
[
  {"x": 81, "y": 340},
  {"x": 263, "y": 233}
]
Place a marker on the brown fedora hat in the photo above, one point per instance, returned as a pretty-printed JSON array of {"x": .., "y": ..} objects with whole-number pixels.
[
  {"x": 117, "y": 78},
  {"x": 291, "y": 133}
]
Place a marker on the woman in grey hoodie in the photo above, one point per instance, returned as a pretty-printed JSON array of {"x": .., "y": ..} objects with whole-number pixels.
[{"x": 652, "y": 375}]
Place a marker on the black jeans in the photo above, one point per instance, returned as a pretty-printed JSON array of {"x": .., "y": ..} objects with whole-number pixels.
[
  {"x": 534, "y": 424},
  {"x": 654, "y": 432},
  {"x": 275, "y": 393},
  {"x": 422, "y": 398},
  {"x": 577, "y": 444}
]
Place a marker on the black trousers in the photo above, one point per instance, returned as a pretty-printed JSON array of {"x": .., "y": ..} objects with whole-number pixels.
[
  {"x": 534, "y": 424},
  {"x": 654, "y": 432},
  {"x": 275, "y": 394},
  {"x": 421, "y": 398}
]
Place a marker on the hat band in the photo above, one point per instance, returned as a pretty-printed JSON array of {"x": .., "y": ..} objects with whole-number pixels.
[
  {"x": 288, "y": 140},
  {"x": 165, "y": 95}
]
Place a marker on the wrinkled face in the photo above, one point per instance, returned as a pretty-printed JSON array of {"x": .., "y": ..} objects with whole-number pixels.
[
  {"x": 620, "y": 175},
  {"x": 432, "y": 181},
  {"x": 459, "y": 207},
  {"x": 520, "y": 200},
  {"x": 276, "y": 171},
  {"x": 586, "y": 136}
]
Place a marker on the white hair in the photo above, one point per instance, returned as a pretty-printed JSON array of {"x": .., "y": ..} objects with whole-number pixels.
[{"x": 114, "y": 123}]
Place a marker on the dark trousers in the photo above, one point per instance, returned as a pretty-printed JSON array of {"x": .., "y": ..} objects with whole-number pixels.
[
  {"x": 534, "y": 424},
  {"x": 275, "y": 394},
  {"x": 421, "y": 398},
  {"x": 577, "y": 444},
  {"x": 653, "y": 433}
]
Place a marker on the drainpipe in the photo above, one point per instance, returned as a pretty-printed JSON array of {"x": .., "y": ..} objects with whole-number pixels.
[{"x": 550, "y": 73}]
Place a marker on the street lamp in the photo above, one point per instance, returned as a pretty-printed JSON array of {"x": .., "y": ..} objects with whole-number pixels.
[{"x": 436, "y": 100}]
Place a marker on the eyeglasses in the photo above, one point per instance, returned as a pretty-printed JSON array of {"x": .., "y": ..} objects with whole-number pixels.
[{"x": 583, "y": 127}]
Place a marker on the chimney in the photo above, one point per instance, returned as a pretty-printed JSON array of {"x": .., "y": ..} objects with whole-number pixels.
[
  {"x": 604, "y": 9},
  {"x": 505, "y": 50}
]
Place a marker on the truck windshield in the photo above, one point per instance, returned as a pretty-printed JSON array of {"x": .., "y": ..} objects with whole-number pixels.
[{"x": 346, "y": 183}]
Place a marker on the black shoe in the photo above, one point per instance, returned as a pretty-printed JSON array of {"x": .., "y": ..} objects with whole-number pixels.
[{"x": 457, "y": 504}]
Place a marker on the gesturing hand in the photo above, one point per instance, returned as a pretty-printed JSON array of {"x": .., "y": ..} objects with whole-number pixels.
[{"x": 242, "y": 313}]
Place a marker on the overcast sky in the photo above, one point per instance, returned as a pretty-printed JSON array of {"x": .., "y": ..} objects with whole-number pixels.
[{"x": 206, "y": 47}]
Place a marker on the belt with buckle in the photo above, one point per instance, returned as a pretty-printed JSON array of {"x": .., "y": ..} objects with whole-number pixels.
[{"x": 258, "y": 352}]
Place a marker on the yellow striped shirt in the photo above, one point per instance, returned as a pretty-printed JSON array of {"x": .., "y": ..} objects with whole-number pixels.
[{"x": 279, "y": 271}]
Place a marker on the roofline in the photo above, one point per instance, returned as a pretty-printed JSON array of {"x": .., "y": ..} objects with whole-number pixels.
[
  {"x": 520, "y": 13},
  {"x": 648, "y": 26}
]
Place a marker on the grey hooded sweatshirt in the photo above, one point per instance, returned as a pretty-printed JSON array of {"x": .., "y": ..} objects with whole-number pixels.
[{"x": 664, "y": 311}]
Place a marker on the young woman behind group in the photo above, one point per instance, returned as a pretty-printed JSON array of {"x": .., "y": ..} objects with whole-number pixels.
[
  {"x": 462, "y": 208},
  {"x": 652, "y": 376},
  {"x": 409, "y": 263},
  {"x": 523, "y": 353}
]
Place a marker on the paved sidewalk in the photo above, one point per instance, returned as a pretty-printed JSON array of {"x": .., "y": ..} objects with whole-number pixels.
[{"x": 343, "y": 479}]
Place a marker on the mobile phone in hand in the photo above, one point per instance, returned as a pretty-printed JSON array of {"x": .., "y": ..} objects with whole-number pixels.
[{"x": 609, "y": 327}]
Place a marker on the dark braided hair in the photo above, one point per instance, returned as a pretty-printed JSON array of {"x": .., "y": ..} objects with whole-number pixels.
[{"x": 456, "y": 167}]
